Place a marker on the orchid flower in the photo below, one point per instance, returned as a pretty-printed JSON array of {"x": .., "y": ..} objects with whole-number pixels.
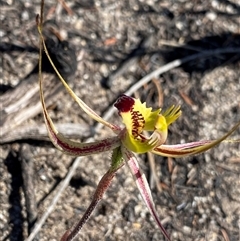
[{"x": 127, "y": 140}]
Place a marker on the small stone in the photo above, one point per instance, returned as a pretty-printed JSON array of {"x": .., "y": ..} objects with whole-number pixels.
[
  {"x": 187, "y": 229},
  {"x": 211, "y": 16},
  {"x": 118, "y": 231}
]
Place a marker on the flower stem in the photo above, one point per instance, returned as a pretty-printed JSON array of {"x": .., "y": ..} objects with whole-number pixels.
[{"x": 102, "y": 187}]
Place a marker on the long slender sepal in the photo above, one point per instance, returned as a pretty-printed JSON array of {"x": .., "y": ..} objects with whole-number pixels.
[
  {"x": 187, "y": 149},
  {"x": 143, "y": 186},
  {"x": 84, "y": 107},
  {"x": 71, "y": 147},
  {"x": 68, "y": 146}
]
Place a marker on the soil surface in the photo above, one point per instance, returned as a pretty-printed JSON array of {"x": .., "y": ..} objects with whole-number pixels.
[{"x": 116, "y": 43}]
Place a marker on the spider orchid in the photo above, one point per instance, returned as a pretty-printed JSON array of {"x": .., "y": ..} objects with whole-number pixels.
[{"x": 128, "y": 140}]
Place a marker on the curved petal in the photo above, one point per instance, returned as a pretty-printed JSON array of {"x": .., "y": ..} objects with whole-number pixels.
[
  {"x": 84, "y": 107},
  {"x": 143, "y": 186},
  {"x": 187, "y": 149}
]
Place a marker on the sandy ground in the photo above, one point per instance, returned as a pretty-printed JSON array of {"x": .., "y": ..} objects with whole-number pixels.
[{"x": 200, "y": 195}]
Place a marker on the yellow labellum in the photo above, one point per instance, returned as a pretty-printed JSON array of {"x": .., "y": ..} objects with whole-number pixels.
[{"x": 138, "y": 118}]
